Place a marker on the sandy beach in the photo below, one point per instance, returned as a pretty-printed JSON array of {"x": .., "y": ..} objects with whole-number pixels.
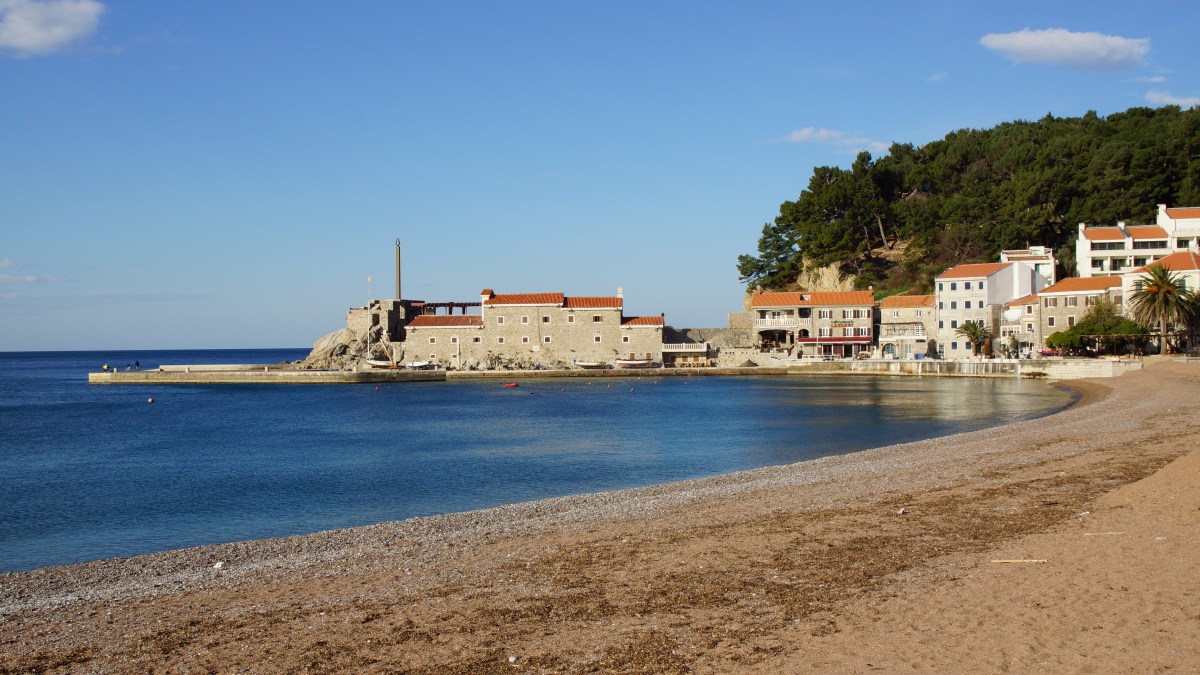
[{"x": 1066, "y": 543}]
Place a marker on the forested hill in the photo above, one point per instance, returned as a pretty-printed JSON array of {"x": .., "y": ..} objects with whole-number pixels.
[{"x": 965, "y": 198}]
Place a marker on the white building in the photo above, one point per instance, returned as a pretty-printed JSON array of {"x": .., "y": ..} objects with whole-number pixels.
[
  {"x": 1040, "y": 258},
  {"x": 1110, "y": 251},
  {"x": 979, "y": 293}
]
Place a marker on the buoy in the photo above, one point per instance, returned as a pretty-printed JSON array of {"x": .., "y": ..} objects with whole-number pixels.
[
  {"x": 564, "y": 389},
  {"x": 610, "y": 386},
  {"x": 150, "y": 400},
  {"x": 631, "y": 389}
]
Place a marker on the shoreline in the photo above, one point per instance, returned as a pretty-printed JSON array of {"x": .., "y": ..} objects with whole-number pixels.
[{"x": 405, "y": 572}]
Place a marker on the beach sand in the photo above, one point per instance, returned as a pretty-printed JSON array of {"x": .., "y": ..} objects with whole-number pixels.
[{"x": 878, "y": 560}]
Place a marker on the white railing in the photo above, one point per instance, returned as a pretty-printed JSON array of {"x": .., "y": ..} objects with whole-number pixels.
[
  {"x": 785, "y": 322},
  {"x": 685, "y": 347}
]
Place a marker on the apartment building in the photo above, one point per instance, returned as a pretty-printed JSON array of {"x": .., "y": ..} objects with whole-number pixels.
[
  {"x": 978, "y": 292},
  {"x": 1040, "y": 258},
  {"x": 1022, "y": 318},
  {"x": 837, "y": 324},
  {"x": 1064, "y": 304},
  {"x": 1112, "y": 251},
  {"x": 906, "y": 324}
]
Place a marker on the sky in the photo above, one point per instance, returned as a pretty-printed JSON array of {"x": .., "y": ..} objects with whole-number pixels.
[{"x": 188, "y": 175}]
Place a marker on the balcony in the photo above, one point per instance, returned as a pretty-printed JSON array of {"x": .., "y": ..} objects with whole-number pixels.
[
  {"x": 685, "y": 347},
  {"x": 782, "y": 322}
]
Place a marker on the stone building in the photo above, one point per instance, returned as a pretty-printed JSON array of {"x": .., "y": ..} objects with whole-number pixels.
[
  {"x": 837, "y": 323},
  {"x": 979, "y": 292},
  {"x": 1022, "y": 319},
  {"x": 906, "y": 324},
  {"x": 1063, "y": 305},
  {"x": 532, "y": 329}
]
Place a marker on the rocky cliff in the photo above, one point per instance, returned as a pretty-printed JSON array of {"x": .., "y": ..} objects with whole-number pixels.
[{"x": 343, "y": 349}]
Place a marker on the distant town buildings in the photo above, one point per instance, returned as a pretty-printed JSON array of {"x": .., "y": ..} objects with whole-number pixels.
[
  {"x": 978, "y": 293},
  {"x": 906, "y": 324},
  {"x": 1112, "y": 251},
  {"x": 835, "y": 323}
]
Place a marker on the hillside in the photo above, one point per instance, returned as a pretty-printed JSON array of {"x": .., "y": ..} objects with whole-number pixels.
[{"x": 895, "y": 221}]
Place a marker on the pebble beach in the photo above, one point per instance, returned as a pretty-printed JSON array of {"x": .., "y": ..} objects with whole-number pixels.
[{"x": 846, "y": 563}]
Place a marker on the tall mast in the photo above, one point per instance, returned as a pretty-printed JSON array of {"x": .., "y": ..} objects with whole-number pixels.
[{"x": 398, "y": 270}]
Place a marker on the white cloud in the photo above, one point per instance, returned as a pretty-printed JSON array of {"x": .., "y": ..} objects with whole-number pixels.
[
  {"x": 837, "y": 139},
  {"x": 5, "y": 263},
  {"x": 1082, "y": 51},
  {"x": 1166, "y": 98},
  {"x": 25, "y": 279},
  {"x": 39, "y": 27},
  {"x": 1157, "y": 79}
]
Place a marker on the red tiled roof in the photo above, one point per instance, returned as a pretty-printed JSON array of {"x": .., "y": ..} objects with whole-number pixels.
[
  {"x": 796, "y": 299},
  {"x": 578, "y": 302},
  {"x": 898, "y": 301},
  {"x": 488, "y": 292},
  {"x": 446, "y": 320},
  {"x": 1103, "y": 234},
  {"x": 1147, "y": 232},
  {"x": 971, "y": 271},
  {"x": 1183, "y": 261},
  {"x": 642, "y": 321},
  {"x": 1027, "y": 300},
  {"x": 1082, "y": 285},
  {"x": 1184, "y": 212},
  {"x": 526, "y": 299}
]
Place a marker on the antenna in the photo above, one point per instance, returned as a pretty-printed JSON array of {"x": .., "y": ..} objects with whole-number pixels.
[{"x": 398, "y": 270}]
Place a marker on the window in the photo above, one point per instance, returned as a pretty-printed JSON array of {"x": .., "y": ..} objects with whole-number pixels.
[
  {"x": 1097, "y": 264},
  {"x": 967, "y": 286},
  {"x": 433, "y": 357},
  {"x": 524, "y": 319},
  {"x": 953, "y": 286},
  {"x": 546, "y": 339},
  {"x": 941, "y": 324},
  {"x": 624, "y": 338},
  {"x": 941, "y": 286},
  {"x": 825, "y": 314},
  {"x": 918, "y": 313},
  {"x": 525, "y": 339},
  {"x": 545, "y": 319},
  {"x": 1070, "y": 321},
  {"x": 453, "y": 340},
  {"x": 953, "y": 304},
  {"x": 954, "y": 324},
  {"x": 1110, "y": 245},
  {"x": 1149, "y": 244},
  {"x": 432, "y": 340},
  {"x": 1117, "y": 263},
  {"x": 895, "y": 314},
  {"x": 918, "y": 330},
  {"x": 499, "y": 319},
  {"x": 1050, "y": 321},
  {"x": 570, "y": 318},
  {"x": 967, "y": 305},
  {"x": 825, "y": 332},
  {"x": 477, "y": 339},
  {"x": 1028, "y": 328},
  {"x": 953, "y": 345},
  {"x": 596, "y": 318},
  {"x": 967, "y": 346},
  {"x": 1183, "y": 244},
  {"x": 1051, "y": 302},
  {"x": 981, "y": 285},
  {"x": 1029, "y": 309},
  {"x": 1072, "y": 301},
  {"x": 1139, "y": 262},
  {"x": 941, "y": 305},
  {"x": 848, "y": 332},
  {"x": 596, "y": 338},
  {"x": 846, "y": 314},
  {"x": 862, "y": 331}
]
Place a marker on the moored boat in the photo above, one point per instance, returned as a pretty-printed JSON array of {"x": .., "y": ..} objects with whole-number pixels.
[
  {"x": 591, "y": 365},
  {"x": 419, "y": 365},
  {"x": 635, "y": 363}
]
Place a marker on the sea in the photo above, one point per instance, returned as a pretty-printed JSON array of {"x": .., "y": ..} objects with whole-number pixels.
[{"x": 90, "y": 472}]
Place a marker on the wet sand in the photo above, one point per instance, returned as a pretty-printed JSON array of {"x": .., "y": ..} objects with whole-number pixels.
[{"x": 879, "y": 560}]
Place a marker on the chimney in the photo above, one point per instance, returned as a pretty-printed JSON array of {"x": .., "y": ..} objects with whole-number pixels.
[
  {"x": 620, "y": 292},
  {"x": 485, "y": 295}
]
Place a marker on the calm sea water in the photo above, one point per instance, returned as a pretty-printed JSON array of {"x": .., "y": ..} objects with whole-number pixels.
[{"x": 90, "y": 472}]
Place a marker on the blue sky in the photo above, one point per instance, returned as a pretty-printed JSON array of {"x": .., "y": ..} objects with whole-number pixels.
[{"x": 227, "y": 174}]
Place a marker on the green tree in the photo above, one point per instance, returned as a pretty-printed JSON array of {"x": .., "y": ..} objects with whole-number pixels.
[
  {"x": 977, "y": 333},
  {"x": 1160, "y": 300}
]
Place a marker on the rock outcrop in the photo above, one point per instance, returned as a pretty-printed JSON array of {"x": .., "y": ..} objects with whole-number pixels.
[{"x": 344, "y": 349}]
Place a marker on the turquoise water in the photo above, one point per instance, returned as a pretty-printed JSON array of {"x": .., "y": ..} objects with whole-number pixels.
[{"x": 90, "y": 472}]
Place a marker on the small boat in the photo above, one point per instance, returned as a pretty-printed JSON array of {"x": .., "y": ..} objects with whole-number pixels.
[
  {"x": 418, "y": 365},
  {"x": 635, "y": 363},
  {"x": 378, "y": 363},
  {"x": 512, "y": 384},
  {"x": 591, "y": 365}
]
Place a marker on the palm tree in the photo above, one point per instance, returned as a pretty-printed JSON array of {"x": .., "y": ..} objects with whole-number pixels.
[
  {"x": 1160, "y": 299},
  {"x": 976, "y": 333}
]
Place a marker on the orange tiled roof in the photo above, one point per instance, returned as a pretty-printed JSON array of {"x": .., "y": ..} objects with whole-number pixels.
[
  {"x": 971, "y": 271},
  {"x": 797, "y": 299},
  {"x": 1183, "y": 261},
  {"x": 446, "y": 320},
  {"x": 1184, "y": 212},
  {"x": 578, "y": 302},
  {"x": 1027, "y": 300},
  {"x": 1083, "y": 285},
  {"x": 1147, "y": 232},
  {"x": 898, "y": 301},
  {"x": 526, "y": 299},
  {"x": 1103, "y": 234},
  {"x": 642, "y": 321}
]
